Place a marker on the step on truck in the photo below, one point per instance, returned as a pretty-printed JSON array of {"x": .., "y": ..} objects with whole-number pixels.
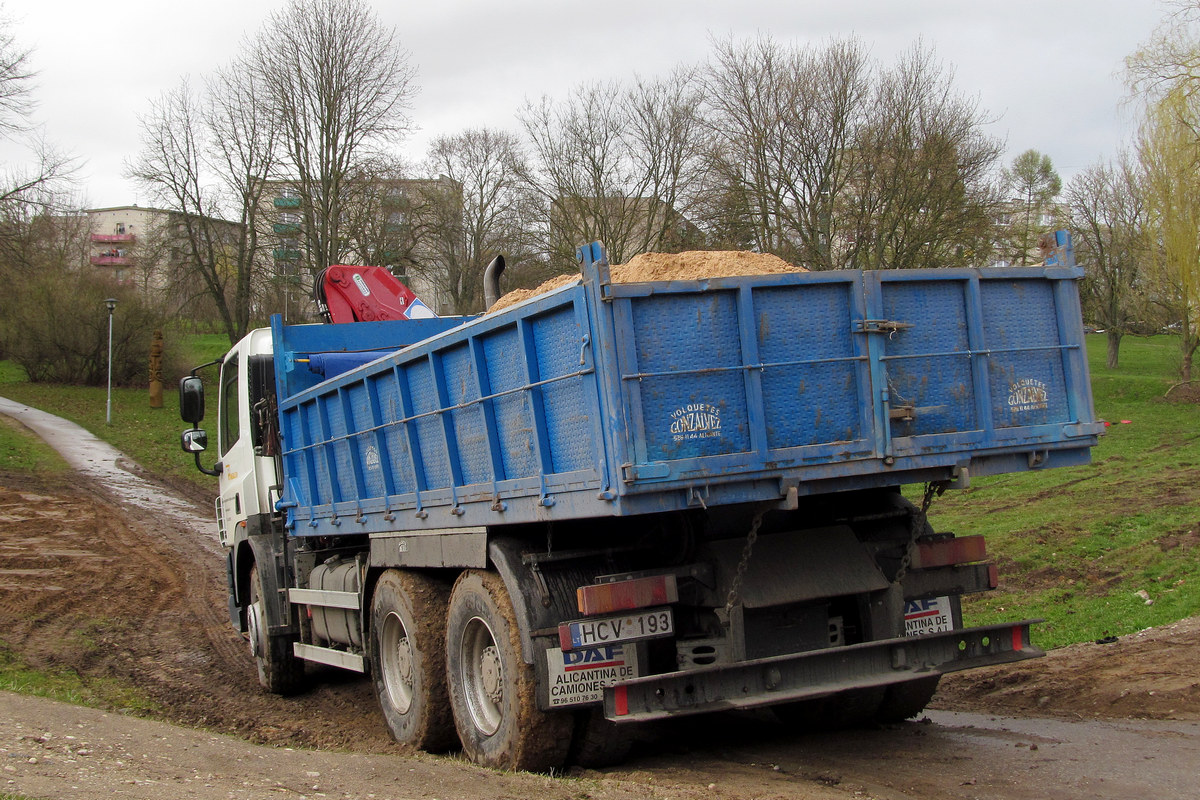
[{"x": 621, "y": 502}]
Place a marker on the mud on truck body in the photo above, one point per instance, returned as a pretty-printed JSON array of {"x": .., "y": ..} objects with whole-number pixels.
[{"x": 616, "y": 503}]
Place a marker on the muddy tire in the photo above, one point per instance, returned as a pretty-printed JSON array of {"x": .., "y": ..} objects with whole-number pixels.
[
  {"x": 599, "y": 742},
  {"x": 493, "y": 692},
  {"x": 905, "y": 700},
  {"x": 408, "y": 640},
  {"x": 279, "y": 671}
]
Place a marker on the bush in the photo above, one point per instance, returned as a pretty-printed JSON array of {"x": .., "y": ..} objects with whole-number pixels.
[{"x": 55, "y": 326}]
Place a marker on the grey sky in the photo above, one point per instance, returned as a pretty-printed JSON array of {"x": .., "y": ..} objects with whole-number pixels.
[{"x": 1048, "y": 71}]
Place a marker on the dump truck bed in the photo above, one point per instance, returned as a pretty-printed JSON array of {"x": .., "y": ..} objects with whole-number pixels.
[{"x": 603, "y": 399}]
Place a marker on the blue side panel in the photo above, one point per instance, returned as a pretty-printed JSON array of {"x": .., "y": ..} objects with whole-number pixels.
[
  {"x": 1026, "y": 363},
  {"x": 497, "y": 417},
  {"x": 558, "y": 354},
  {"x": 502, "y": 353},
  {"x": 395, "y": 456},
  {"x": 427, "y": 423},
  {"x": 604, "y": 399},
  {"x": 467, "y": 414},
  {"x": 929, "y": 366},
  {"x": 811, "y": 379},
  {"x": 338, "y": 442},
  {"x": 693, "y": 392}
]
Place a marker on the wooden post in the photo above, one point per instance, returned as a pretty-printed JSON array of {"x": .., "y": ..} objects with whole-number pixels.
[{"x": 156, "y": 353}]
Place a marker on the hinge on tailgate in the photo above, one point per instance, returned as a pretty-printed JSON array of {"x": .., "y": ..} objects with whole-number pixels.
[{"x": 888, "y": 326}]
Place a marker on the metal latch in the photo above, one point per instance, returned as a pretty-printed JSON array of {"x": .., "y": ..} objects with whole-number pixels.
[
  {"x": 902, "y": 413},
  {"x": 888, "y": 326}
]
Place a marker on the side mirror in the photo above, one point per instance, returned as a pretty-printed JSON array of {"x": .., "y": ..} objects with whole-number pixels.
[
  {"x": 191, "y": 401},
  {"x": 194, "y": 441}
]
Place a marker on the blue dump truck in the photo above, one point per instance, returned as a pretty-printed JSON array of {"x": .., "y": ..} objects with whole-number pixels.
[{"x": 622, "y": 502}]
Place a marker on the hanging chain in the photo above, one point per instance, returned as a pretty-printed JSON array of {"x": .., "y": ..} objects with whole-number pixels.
[
  {"x": 918, "y": 527},
  {"x": 736, "y": 586}
]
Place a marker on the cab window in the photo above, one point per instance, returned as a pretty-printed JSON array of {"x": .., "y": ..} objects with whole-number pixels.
[{"x": 229, "y": 421}]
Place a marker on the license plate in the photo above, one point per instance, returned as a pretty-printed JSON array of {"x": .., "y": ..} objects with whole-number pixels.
[{"x": 648, "y": 624}]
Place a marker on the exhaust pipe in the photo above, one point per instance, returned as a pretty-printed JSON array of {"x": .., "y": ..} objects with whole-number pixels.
[{"x": 491, "y": 282}]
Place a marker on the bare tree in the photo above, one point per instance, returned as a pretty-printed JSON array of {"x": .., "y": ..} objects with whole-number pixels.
[
  {"x": 481, "y": 208},
  {"x": 47, "y": 234},
  {"x": 339, "y": 84},
  {"x": 206, "y": 158},
  {"x": 30, "y": 189},
  {"x": 782, "y": 123},
  {"x": 615, "y": 164},
  {"x": 1108, "y": 216},
  {"x": 922, "y": 193},
  {"x": 1170, "y": 58},
  {"x": 243, "y": 137},
  {"x": 378, "y": 206},
  {"x": 825, "y": 159},
  {"x": 16, "y": 82}
]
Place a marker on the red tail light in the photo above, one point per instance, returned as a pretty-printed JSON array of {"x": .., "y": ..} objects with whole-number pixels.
[
  {"x": 947, "y": 552},
  {"x": 605, "y": 598}
]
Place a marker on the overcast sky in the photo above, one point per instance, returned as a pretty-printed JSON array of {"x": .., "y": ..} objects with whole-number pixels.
[{"x": 1048, "y": 71}]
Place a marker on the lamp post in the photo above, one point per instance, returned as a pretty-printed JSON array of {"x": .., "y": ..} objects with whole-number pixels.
[{"x": 112, "y": 304}]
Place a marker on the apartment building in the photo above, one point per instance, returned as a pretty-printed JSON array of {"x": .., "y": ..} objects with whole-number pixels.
[{"x": 140, "y": 246}]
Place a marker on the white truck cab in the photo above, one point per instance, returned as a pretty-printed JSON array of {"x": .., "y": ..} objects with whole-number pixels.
[
  {"x": 247, "y": 468},
  {"x": 248, "y": 479}
]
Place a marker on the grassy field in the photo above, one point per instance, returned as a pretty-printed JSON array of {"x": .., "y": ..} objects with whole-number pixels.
[
  {"x": 1074, "y": 546},
  {"x": 148, "y": 435}
]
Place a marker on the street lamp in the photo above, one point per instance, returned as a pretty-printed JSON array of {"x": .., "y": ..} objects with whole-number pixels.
[{"x": 112, "y": 304}]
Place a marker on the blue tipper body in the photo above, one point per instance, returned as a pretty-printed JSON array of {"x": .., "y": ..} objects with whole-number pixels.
[{"x": 603, "y": 399}]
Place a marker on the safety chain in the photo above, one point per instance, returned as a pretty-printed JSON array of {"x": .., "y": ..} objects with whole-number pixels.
[
  {"x": 918, "y": 526},
  {"x": 751, "y": 538}
]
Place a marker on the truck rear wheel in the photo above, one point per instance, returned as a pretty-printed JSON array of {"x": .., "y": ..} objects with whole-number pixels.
[
  {"x": 492, "y": 690},
  {"x": 906, "y": 700},
  {"x": 408, "y": 629},
  {"x": 846, "y": 709},
  {"x": 279, "y": 671},
  {"x": 598, "y": 742}
]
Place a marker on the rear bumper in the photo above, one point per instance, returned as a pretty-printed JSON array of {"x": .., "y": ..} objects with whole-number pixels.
[{"x": 781, "y": 679}]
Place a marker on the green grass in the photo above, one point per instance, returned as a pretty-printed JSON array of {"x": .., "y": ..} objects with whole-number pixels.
[
  {"x": 68, "y": 686},
  {"x": 148, "y": 435},
  {"x": 22, "y": 451},
  {"x": 207, "y": 347},
  {"x": 1075, "y": 545}
]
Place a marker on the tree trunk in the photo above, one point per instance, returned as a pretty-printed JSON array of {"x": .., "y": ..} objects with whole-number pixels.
[{"x": 1114, "y": 348}]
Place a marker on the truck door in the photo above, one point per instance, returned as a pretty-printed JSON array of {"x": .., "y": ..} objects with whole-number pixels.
[
  {"x": 245, "y": 437},
  {"x": 233, "y": 423}
]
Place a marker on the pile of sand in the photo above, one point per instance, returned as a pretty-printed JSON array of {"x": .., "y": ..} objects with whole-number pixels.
[{"x": 691, "y": 265}]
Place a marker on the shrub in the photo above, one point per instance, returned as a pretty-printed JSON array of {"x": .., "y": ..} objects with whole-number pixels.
[{"x": 55, "y": 325}]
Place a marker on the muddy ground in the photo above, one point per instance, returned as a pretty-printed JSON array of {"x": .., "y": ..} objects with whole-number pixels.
[{"x": 110, "y": 591}]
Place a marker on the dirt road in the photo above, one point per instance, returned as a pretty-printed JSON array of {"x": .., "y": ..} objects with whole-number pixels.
[{"x": 96, "y": 577}]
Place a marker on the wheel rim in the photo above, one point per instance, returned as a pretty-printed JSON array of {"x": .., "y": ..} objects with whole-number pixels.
[
  {"x": 482, "y": 676},
  {"x": 254, "y": 628},
  {"x": 396, "y": 663}
]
